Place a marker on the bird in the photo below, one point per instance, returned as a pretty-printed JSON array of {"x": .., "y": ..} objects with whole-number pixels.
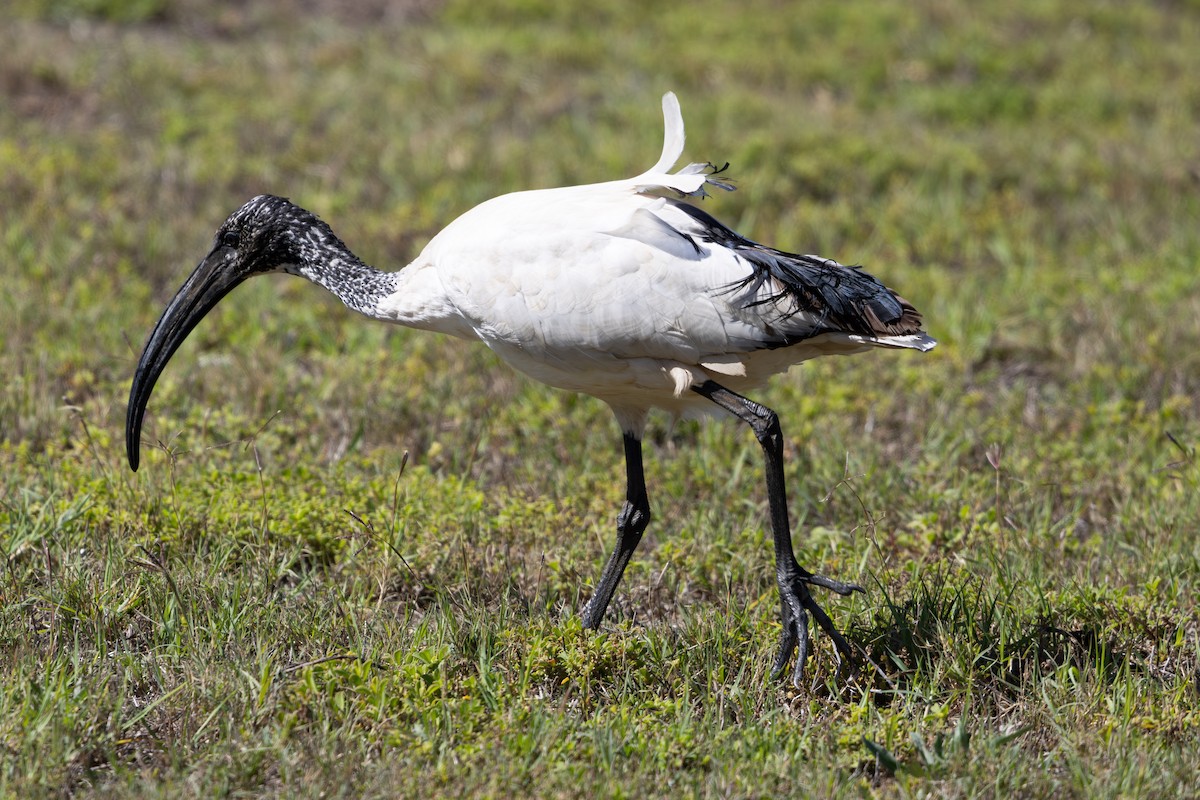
[{"x": 624, "y": 290}]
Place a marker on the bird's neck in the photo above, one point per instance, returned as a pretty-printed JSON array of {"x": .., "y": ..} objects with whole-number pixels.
[
  {"x": 360, "y": 286},
  {"x": 413, "y": 297}
]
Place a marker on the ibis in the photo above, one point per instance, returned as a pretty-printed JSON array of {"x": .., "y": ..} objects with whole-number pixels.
[{"x": 623, "y": 290}]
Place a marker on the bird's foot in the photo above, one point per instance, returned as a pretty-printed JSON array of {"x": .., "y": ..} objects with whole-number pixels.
[{"x": 796, "y": 604}]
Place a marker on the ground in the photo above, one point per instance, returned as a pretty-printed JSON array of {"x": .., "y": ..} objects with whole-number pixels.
[{"x": 352, "y": 560}]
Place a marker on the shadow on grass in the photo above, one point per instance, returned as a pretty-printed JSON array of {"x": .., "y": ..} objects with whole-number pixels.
[{"x": 956, "y": 629}]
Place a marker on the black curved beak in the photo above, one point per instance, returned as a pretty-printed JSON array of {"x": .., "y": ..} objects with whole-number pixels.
[{"x": 214, "y": 278}]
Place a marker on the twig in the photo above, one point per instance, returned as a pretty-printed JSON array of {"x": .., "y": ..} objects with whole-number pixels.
[{"x": 342, "y": 657}]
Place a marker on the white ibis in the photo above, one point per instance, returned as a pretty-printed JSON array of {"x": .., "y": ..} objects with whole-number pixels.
[{"x": 621, "y": 290}]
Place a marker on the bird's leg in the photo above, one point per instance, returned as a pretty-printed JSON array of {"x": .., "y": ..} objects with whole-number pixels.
[
  {"x": 795, "y": 601},
  {"x": 634, "y": 517}
]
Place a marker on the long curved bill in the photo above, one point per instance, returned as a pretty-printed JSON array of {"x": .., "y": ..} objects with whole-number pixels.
[{"x": 211, "y": 281}]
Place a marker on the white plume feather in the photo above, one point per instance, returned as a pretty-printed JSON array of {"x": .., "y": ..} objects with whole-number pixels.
[{"x": 691, "y": 179}]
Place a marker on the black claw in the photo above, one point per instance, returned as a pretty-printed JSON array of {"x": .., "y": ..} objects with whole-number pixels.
[
  {"x": 787, "y": 646},
  {"x": 839, "y": 643},
  {"x": 801, "y": 651},
  {"x": 787, "y": 639},
  {"x": 832, "y": 585},
  {"x": 796, "y": 603}
]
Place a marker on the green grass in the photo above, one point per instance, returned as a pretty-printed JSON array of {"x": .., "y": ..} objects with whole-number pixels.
[{"x": 281, "y": 602}]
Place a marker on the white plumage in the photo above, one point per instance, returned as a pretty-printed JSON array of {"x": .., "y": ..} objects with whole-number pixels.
[
  {"x": 621, "y": 290},
  {"x": 610, "y": 290}
]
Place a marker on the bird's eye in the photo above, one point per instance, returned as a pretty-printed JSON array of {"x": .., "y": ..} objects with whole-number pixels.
[{"x": 229, "y": 239}]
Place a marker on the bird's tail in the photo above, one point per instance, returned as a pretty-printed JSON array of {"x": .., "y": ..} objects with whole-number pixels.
[
  {"x": 690, "y": 180},
  {"x": 673, "y": 135}
]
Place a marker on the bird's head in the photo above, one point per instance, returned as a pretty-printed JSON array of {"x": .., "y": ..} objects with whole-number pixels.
[{"x": 267, "y": 234}]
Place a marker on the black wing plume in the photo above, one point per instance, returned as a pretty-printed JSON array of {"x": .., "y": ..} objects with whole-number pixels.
[{"x": 842, "y": 298}]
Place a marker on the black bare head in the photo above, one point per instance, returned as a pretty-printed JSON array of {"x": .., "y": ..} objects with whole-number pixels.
[
  {"x": 267, "y": 234},
  {"x": 272, "y": 234}
]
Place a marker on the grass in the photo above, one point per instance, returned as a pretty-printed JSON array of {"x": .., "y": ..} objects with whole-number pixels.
[{"x": 351, "y": 563}]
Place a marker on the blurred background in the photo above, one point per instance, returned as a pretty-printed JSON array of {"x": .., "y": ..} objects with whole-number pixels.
[
  {"x": 1027, "y": 176},
  {"x": 1026, "y": 173}
]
